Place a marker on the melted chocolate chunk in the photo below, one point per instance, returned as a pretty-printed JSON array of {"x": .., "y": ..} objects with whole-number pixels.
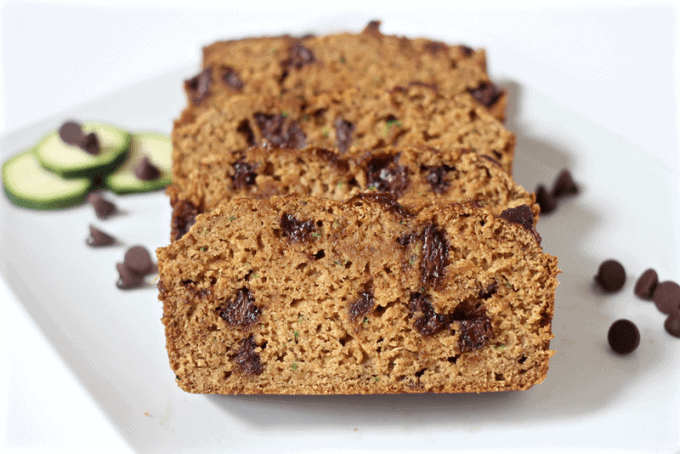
[
  {"x": 244, "y": 175},
  {"x": 332, "y": 158},
  {"x": 428, "y": 322},
  {"x": 373, "y": 27},
  {"x": 90, "y": 144},
  {"x": 241, "y": 311},
  {"x": 183, "y": 217},
  {"x": 231, "y": 78},
  {"x": 71, "y": 133},
  {"x": 434, "y": 47},
  {"x": 437, "y": 178},
  {"x": 523, "y": 216},
  {"x": 279, "y": 132},
  {"x": 489, "y": 291},
  {"x": 435, "y": 256},
  {"x": 406, "y": 239},
  {"x": 343, "y": 133},
  {"x": 474, "y": 334},
  {"x": 364, "y": 303},
  {"x": 467, "y": 310},
  {"x": 294, "y": 230},
  {"x": 385, "y": 199},
  {"x": 246, "y": 360},
  {"x": 199, "y": 86},
  {"x": 298, "y": 56},
  {"x": 245, "y": 129},
  {"x": 386, "y": 175},
  {"x": 487, "y": 94}
]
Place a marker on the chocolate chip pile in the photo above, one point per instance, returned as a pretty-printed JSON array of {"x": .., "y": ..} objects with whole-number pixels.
[{"x": 624, "y": 336}]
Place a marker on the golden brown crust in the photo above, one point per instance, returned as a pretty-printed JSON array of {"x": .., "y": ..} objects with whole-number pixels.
[{"x": 297, "y": 295}]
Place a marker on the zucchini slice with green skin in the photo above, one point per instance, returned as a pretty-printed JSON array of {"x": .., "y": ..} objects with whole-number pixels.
[
  {"x": 69, "y": 161},
  {"x": 158, "y": 148},
  {"x": 27, "y": 184}
]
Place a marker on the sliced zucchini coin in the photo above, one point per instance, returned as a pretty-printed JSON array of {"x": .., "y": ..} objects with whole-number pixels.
[
  {"x": 27, "y": 184},
  {"x": 158, "y": 148},
  {"x": 70, "y": 161}
]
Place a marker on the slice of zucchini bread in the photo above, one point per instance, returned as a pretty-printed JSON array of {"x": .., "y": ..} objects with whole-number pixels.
[
  {"x": 415, "y": 175},
  {"x": 302, "y": 295},
  {"x": 313, "y": 64},
  {"x": 355, "y": 118}
]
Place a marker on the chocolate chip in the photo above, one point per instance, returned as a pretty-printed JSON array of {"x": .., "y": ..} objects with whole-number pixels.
[
  {"x": 241, "y": 311},
  {"x": 245, "y": 129},
  {"x": 487, "y": 94},
  {"x": 183, "y": 217},
  {"x": 474, "y": 334},
  {"x": 294, "y": 230},
  {"x": 489, "y": 291},
  {"x": 469, "y": 310},
  {"x": 373, "y": 27},
  {"x": 667, "y": 297},
  {"x": 246, "y": 360},
  {"x": 102, "y": 207},
  {"x": 199, "y": 86},
  {"x": 298, "y": 56},
  {"x": 611, "y": 276},
  {"x": 386, "y": 175},
  {"x": 343, "y": 134},
  {"x": 545, "y": 200},
  {"x": 230, "y": 77},
  {"x": 127, "y": 278},
  {"x": 428, "y": 322},
  {"x": 138, "y": 259},
  {"x": 465, "y": 50},
  {"x": 564, "y": 185},
  {"x": 90, "y": 144},
  {"x": 646, "y": 284},
  {"x": 436, "y": 176},
  {"x": 363, "y": 304},
  {"x": 280, "y": 132},
  {"x": 146, "y": 171},
  {"x": 98, "y": 238},
  {"x": 623, "y": 336},
  {"x": 433, "y": 47},
  {"x": 71, "y": 133},
  {"x": 244, "y": 175},
  {"x": 672, "y": 324},
  {"x": 388, "y": 201},
  {"x": 523, "y": 216},
  {"x": 435, "y": 256}
]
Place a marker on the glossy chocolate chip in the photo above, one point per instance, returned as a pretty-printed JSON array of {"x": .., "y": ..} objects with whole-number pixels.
[
  {"x": 436, "y": 176},
  {"x": 98, "y": 238},
  {"x": 138, "y": 259},
  {"x": 667, "y": 296},
  {"x": 199, "y": 86},
  {"x": 474, "y": 334},
  {"x": 294, "y": 230},
  {"x": 523, "y": 216},
  {"x": 246, "y": 360},
  {"x": 244, "y": 175},
  {"x": 384, "y": 174},
  {"x": 71, "y": 133},
  {"x": 428, "y": 322},
  {"x": 545, "y": 200},
  {"x": 90, "y": 144},
  {"x": 231, "y": 78},
  {"x": 611, "y": 276},
  {"x": 487, "y": 94},
  {"x": 183, "y": 217},
  {"x": 564, "y": 185},
  {"x": 279, "y": 132},
  {"x": 241, "y": 311},
  {"x": 343, "y": 133},
  {"x": 646, "y": 284},
  {"x": 363, "y": 304},
  {"x": 435, "y": 256},
  {"x": 623, "y": 336},
  {"x": 146, "y": 171},
  {"x": 102, "y": 207},
  {"x": 672, "y": 324},
  {"x": 128, "y": 278}
]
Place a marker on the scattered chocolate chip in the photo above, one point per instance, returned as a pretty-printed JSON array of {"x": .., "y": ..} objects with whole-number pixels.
[
  {"x": 433, "y": 47},
  {"x": 98, "y": 238},
  {"x": 387, "y": 200},
  {"x": 436, "y": 176},
  {"x": 545, "y": 200},
  {"x": 102, "y": 207},
  {"x": 373, "y": 27},
  {"x": 623, "y": 336},
  {"x": 667, "y": 297},
  {"x": 146, "y": 171},
  {"x": 280, "y": 132},
  {"x": 428, "y": 322},
  {"x": 246, "y": 360},
  {"x": 244, "y": 175},
  {"x": 127, "y": 278},
  {"x": 523, "y": 216},
  {"x": 487, "y": 94},
  {"x": 363, "y": 304},
  {"x": 672, "y": 324},
  {"x": 199, "y": 86},
  {"x": 646, "y": 284},
  {"x": 230, "y": 77},
  {"x": 183, "y": 217},
  {"x": 90, "y": 144},
  {"x": 386, "y": 175},
  {"x": 343, "y": 133},
  {"x": 298, "y": 56},
  {"x": 611, "y": 276},
  {"x": 138, "y": 259},
  {"x": 294, "y": 230},
  {"x": 71, "y": 133},
  {"x": 564, "y": 185},
  {"x": 474, "y": 334},
  {"x": 435, "y": 256},
  {"x": 240, "y": 311}
]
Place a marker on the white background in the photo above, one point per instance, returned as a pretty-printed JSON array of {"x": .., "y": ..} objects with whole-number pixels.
[{"x": 610, "y": 64}]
